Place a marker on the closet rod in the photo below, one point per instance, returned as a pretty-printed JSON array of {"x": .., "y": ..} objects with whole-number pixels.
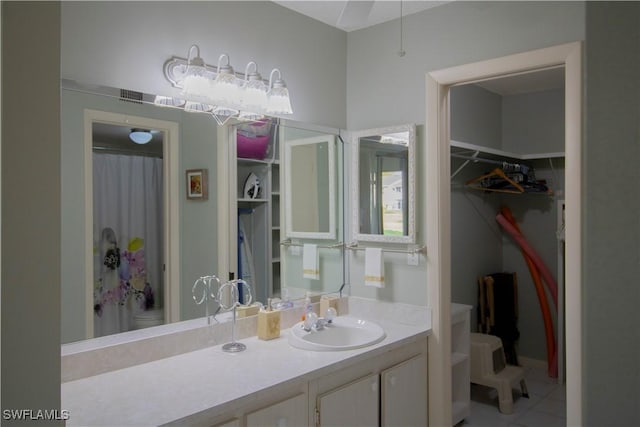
[
  {"x": 288, "y": 242},
  {"x": 354, "y": 247}
]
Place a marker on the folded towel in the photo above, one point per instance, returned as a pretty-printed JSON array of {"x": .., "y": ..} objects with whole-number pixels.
[
  {"x": 310, "y": 262},
  {"x": 373, "y": 267}
]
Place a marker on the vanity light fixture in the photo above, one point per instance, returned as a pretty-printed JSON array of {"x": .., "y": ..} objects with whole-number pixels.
[
  {"x": 223, "y": 92},
  {"x": 140, "y": 136}
]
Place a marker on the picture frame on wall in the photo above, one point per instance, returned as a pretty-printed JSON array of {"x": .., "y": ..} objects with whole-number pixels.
[{"x": 197, "y": 184}]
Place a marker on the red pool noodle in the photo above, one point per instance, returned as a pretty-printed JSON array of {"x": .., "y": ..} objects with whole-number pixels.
[
  {"x": 526, "y": 247},
  {"x": 552, "y": 354}
]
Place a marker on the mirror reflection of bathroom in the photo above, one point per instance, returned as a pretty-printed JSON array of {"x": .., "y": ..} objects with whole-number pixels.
[
  {"x": 507, "y": 173},
  {"x": 270, "y": 256},
  {"x": 196, "y": 223},
  {"x": 383, "y": 165},
  {"x": 383, "y": 177},
  {"x": 127, "y": 228}
]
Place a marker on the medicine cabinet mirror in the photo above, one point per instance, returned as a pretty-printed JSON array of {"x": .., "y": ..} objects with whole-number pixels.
[
  {"x": 310, "y": 181},
  {"x": 383, "y": 184}
]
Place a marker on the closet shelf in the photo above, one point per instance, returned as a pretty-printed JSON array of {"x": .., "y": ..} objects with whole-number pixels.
[{"x": 462, "y": 147}]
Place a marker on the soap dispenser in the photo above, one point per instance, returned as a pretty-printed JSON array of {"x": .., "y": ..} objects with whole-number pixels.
[
  {"x": 308, "y": 307},
  {"x": 268, "y": 323}
]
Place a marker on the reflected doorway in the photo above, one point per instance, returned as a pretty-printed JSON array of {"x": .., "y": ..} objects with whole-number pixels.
[
  {"x": 128, "y": 239},
  {"x": 132, "y": 210}
]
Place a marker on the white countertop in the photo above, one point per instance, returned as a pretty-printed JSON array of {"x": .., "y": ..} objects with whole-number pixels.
[{"x": 211, "y": 381}]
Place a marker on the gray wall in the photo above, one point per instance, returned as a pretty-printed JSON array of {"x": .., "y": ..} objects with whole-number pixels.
[
  {"x": 125, "y": 44},
  {"x": 198, "y": 220},
  {"x": 30, "y": 207},
  {"x": 611, "y": 267},
  {"x": 385, "y": 89}
]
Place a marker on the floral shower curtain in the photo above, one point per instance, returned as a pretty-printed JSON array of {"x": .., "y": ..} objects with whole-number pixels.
[{"x": 128, "y": 244}]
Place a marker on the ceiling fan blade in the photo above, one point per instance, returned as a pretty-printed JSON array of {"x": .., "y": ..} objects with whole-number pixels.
[{"x": 355, "y": 13}]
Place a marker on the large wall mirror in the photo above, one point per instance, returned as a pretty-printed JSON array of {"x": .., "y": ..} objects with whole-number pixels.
[
  {"x": 181, "y": 141},
  {"x": 310, "y": 180},
  {"x": 383, "y": 184}
]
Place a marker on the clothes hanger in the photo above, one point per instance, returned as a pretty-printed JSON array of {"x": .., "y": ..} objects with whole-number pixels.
[{"x": 497, "y": 172}]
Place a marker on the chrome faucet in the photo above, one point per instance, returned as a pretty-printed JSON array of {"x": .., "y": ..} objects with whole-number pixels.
[{"x": 313, "y": 322}]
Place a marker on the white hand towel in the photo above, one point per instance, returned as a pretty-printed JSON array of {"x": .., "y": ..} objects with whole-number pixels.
[
  {"x": 310, "y": 262},
  {"x": 373, "y": 267}
]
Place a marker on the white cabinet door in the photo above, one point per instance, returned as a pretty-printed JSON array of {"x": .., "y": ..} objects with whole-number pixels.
[
  {"x": 354, "y": 404},
  {"x": 288, "y": 413},
  {"x": 404, "y": 393}
]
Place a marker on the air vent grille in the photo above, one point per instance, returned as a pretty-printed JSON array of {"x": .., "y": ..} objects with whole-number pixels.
[{"x": 131, "y": 96}]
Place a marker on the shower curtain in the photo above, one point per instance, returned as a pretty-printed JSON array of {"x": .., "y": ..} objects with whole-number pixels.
[{"x": 128, "y": 239}]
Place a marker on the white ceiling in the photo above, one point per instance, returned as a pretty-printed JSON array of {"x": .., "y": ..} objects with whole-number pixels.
[{"x": 356, "y": 14}]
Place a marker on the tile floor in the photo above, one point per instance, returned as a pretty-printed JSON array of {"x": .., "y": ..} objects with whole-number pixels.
[{"x": 545, "y": 406}]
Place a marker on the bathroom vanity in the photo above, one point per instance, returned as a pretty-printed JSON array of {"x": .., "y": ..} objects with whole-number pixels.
[{"x": 271, "y": 383}]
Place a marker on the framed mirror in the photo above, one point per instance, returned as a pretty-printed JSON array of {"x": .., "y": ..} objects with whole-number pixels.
[
  {"x": 383, "y": 184},
  {"x": 310, "y": 193}
]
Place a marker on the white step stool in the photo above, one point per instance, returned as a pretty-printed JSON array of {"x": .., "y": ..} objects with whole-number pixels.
[{"x": 488, "y": 368}]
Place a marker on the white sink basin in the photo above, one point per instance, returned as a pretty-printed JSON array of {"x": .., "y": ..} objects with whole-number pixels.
[{"x": 344, "y": 333}]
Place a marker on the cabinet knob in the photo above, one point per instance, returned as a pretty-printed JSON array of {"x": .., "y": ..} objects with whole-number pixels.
[
  {"x": 374, "y": 386},
  {"x": 393, "y": 381},
  {"x": 282, "y": 422}
]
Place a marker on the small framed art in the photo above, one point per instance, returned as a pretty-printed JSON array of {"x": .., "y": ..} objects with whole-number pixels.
[{"x": 197, "y": 184}]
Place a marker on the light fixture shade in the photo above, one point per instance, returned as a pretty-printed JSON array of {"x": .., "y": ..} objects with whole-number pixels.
[
  {"x": 140, "y": 136},
  {"x": 254, "y": 90},
  {"x": 278, "y": 101},
  {"x": 196, "y": 79},
  {"x": 248, "y": 115},
  {"x": 225, "y": 89},
  {"x": 197, "y": 107},
  {"x": 167, "y": 101}
]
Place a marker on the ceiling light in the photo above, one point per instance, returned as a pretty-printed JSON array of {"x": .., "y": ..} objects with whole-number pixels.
[{"x": 140, "y": 136}]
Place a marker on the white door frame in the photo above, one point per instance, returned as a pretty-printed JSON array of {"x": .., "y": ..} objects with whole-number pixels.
[
  {"x": 438, "y": 203},
  {"x": 171, "y": 227}
]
